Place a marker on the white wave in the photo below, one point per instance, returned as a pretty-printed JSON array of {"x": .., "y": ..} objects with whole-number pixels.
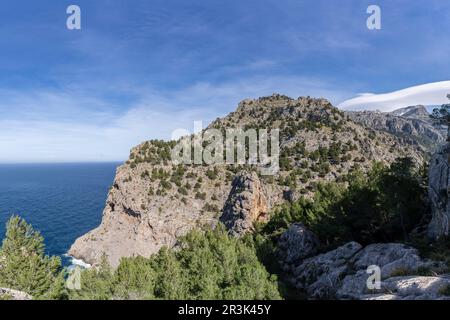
[
  {"x": 434, "y": 93},
  {"x": 77, "y": 262}
]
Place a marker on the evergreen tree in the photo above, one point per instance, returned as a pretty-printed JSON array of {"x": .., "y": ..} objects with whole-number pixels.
[
  {"x": 442, "y": 116},
  {"x": 206, "y": 265},
  {"x": 96, "y": 283},
  {"x": 24, "y": 265}
]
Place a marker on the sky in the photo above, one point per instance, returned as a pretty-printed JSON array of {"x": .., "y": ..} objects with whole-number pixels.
[{"x": 139, "y": 69}]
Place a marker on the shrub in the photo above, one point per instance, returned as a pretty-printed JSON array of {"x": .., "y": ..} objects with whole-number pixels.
[
  {"x": 24, "y": 265},
  {"x": 382, "y": 206},
  {"x": 209, "y": 265}
]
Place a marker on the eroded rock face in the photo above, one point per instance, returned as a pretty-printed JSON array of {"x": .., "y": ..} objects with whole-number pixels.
[
  {"x": 320, "y": 276},
  {"x": 342, "y": 274},
  {"x": 135, "y": 223},
  {"x": 295, "y": 244},
  {"x": 14, "y": 294},
  {"x": 245, "y": 205},
  {"x": 439, "y": 193}
]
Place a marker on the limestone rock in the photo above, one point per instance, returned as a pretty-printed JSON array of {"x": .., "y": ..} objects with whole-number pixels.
[
  {"x": 11, "y": 294},
  {"x": 392, "y": 258},
  {"x": 321, "y": 276},
  {"x": 296, "y": 243},
  {"x": 246, "y": 204},
  {"x": 439, "y": 193}
]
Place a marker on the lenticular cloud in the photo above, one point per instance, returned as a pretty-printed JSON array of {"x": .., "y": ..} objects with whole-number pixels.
[{"x": 427, "y": 94}]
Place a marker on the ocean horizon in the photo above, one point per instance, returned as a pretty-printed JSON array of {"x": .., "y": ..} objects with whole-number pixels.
[{"x": 61, "y": 200}]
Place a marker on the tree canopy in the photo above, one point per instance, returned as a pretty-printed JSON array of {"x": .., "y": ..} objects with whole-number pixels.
[{"x": 24, "y": 265}]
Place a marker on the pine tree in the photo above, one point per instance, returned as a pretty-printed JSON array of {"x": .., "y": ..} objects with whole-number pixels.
[
  {"x": 24, "y": 265},
  {"x": 442, "y": 116}
]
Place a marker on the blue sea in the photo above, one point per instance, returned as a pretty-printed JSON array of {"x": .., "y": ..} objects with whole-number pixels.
[{"x": 62, "y": 201}]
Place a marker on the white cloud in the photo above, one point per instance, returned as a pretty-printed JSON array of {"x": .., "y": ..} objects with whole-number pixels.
[
  {"x": 64, "y": 127},
  {"x": 427, "y": 94}
]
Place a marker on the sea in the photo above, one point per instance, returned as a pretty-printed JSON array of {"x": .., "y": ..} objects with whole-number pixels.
[{"x": 62, "y": 201}]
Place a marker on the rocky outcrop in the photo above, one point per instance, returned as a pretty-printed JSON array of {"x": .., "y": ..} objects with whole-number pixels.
[
  {"x": 343, "y": 273},
  {"x": 246, "y": 204},
  {"x": 393, "y": 259},
  {"x": 296, "y": 244},
  {"x": 439, "y": 193},
  {"x": 320, "y": 276},
  {"x": 11, "y": 294},
  {"x": 412, "y": 288}
]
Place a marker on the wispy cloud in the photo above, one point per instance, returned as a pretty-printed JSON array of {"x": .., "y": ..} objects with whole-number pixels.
[
  {"x": 427, "y": 94},
  {"x": 62, "y": 126}
]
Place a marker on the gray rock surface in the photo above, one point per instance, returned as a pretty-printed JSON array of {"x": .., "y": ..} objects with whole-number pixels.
[
  {"x": 439, "y": 193},
  {"x": 396, "y": 262},
  {"x": 246, "y": 204},
  {"x": 11, "y": 294},
  {"x": 343, "y": 274},
  {"x": 321, "y": 276},
  {"x": 296, "y": 244}
]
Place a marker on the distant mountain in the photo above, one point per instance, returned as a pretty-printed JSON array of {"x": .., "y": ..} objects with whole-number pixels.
[{"x": 411, "y": 124}]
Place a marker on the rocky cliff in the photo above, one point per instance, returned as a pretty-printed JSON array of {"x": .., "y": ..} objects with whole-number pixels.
[
  {"x": 343, "y": 273},
  {"x": 152, "y": 201}
]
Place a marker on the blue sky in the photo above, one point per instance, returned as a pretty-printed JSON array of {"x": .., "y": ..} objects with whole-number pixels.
[{"x": 140, "y": 69}]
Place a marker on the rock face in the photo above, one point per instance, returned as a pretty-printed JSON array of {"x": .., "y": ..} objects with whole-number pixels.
[
  {"x": 246, "y": 204},
  {"x": 396, "y": 261},
  {"x": 321, "y": 276},
  {"x": 439, "y": 192},
  {"x": 343, "y": 273},
  {"x": 11, "y": 294},
  {"x": 412, "y": 124},
  {"x": 296, "y": 244},
  {"x": 153, "y": 201}
]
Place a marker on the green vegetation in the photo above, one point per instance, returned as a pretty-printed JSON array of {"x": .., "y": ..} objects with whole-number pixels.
[
  {"x": 209, "y": 265},
  {"x": 382, "y": 206},
  {"x": 24, "y": 265}
]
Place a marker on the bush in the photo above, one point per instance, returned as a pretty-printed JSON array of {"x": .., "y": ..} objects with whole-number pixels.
[
  {"x": 382, "y": 206},
  {"x": 24, "y": 265},
  {"x": 208, "y": 265}
]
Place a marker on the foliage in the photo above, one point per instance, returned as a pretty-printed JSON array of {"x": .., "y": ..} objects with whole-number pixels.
[
  {"x": 24, "y": 265},
  {"x": 207, "y": 265},
  {"x": 382, "y": 206},
  {"x": 442, "y": 116}
]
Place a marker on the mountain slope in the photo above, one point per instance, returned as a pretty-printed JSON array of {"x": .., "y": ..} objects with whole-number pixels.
[{"x": 412, "y": 124}]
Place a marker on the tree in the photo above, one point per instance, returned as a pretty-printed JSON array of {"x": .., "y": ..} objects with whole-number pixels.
[
  {"x": 24, "y": 265},
  {"x": 442, "y": 116},
  {"x": 206, "y": 265}
]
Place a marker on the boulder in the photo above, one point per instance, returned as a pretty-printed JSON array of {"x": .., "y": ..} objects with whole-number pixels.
[
  {"x": 296, "y": 244},
  {"x": 320, "y": 276},
  {"x": 393, "y": 259}
]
